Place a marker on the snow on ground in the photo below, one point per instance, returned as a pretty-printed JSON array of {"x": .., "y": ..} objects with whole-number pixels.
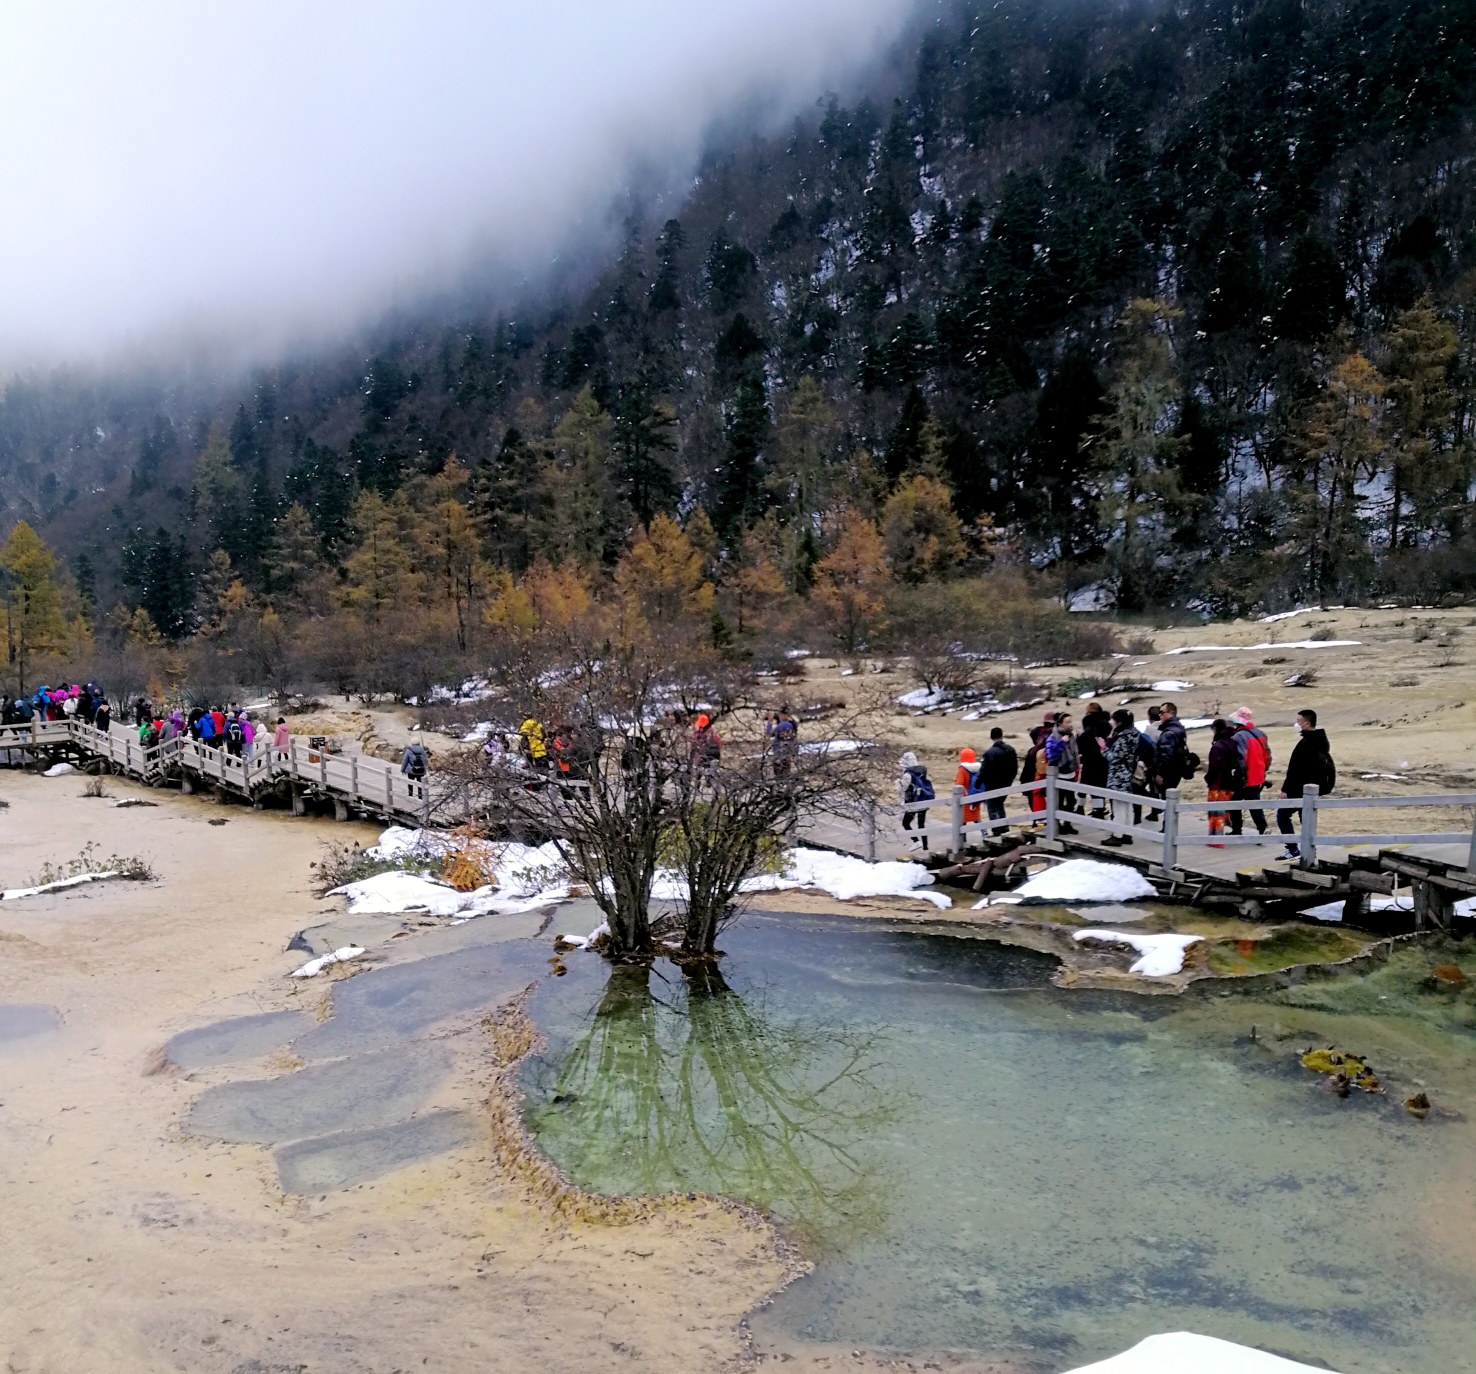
[
  {"x": 397, "y": 892},
  {"x": 1183, "y": 1352},
  {"x": 923, "y": 697},
  {"x": 1302, "y": 610},
  {"x": 835, "y": 746},
  {"x": 517, "y": 869},
  {"x": 1271, "y": 644},
  {"x": 845, "y": 877},
  {"x": 838, "y": 874},
  {"x": 314, "y": 967},
  {"x": 524, "y": 877},
  {"x": 10, "y": 894},
  {"x": 585, "y": 941},
  {"x": 1086, "y": 880},
  {"x": 1172, "y": 684},
  {"x": 58, "y": 770},
  {"x": 1161, "y": 955},
  {"x": 1333, "y": 911}
]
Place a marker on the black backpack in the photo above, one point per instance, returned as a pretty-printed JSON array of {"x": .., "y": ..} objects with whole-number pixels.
[
  {"x": 234, "y": 733},
  {"x": 417, "y": 762}
]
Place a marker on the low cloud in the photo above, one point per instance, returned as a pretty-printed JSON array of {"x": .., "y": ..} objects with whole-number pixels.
[{"x": 272, "y": 172}]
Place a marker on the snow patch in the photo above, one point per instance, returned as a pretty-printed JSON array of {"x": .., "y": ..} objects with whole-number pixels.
[
  {"x": 923, "y": 697},
  {"x": 1248, "y": 648},
  {"x": 10, "y": 894},
  {"x": 58, "y": 770},
  {"x": 1183, "y": 1352},
  {"x": 846, "y": 877},
  {"x": 1160, "y": 955},
  {"x": 1171, "y": 684},
  {"x": 314, "y": 967},
  {"x": 1086, "y": 880},
  {"x": 835, "y": 746},
  {"x": 585, "y": 941},
  {"x": 841, "y": 875},
  {"x": 524, "y": 878}
]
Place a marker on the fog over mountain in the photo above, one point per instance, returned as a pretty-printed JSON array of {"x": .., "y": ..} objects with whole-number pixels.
[{"x": 270, "y": 173}]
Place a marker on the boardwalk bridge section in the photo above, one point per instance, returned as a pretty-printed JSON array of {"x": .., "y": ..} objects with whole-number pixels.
[{"x": 298, "y": 775}]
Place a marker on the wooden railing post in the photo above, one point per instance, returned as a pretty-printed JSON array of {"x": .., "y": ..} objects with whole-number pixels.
[
  {"x": 1170, "y": 829},
  {"x": 955, "y": 822},
  {"x": 354, "y": 776},
  {"x": 870, "y": 820},
  {"x": 1471, "y": 853},
  {"x": 1050, "y": 806},
  {"x": 1309, "y": 826}
]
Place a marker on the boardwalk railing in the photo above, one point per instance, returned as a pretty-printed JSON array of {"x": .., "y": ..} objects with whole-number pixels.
[
  {"x": 1172, "y": 836},
  {"x": 349, "y": 780}
]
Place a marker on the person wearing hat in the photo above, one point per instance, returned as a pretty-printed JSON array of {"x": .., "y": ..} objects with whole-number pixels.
[
  {"x": 914, "y": 785},
  {"x": 967, "y": 777},
  {"x": 707, "y": 750},
  {"x": 1253, "y": 754}
]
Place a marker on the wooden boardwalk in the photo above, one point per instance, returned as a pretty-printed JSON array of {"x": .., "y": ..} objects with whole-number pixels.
[
  {"x": 1241, "y": 873},
  {"x": 298, "y": 775}
]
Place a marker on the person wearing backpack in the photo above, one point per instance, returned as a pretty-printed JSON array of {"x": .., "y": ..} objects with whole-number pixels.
[
  {"x": 914, "y": 785},
  {"x": 967, "y": 777},
  {"x": 1311, "y": 763},
  {"x": 415, "y": 762},
  {"x": 1063, "y": 754},
  {"x": 998, "y": 768},
  {"x": 1253, "y": 751},
  {"x": 235, "y": 737}
]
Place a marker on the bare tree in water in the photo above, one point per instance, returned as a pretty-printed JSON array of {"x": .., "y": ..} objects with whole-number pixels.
[{"x": 639, "y": 747}]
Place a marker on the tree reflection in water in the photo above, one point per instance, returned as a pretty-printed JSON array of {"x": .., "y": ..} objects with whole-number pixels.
[{"x": 693, "y": 1087}]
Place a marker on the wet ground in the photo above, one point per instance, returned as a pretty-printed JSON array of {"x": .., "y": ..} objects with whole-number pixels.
[
  {"x": 976, "y": 1159},
  {"x": 361, "y": 1104}
]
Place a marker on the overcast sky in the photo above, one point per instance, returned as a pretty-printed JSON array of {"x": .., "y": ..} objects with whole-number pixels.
[{"x": 265, "y": 172}]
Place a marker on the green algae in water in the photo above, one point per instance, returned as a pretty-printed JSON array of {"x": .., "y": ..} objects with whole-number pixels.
[
  {"x": 1404, "y": 987},
  {"x": 982, "y": 1162},
  {"x": 1284, "y": 947}
]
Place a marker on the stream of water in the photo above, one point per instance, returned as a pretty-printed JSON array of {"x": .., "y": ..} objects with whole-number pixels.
[{"x": 980, "y": 1161}]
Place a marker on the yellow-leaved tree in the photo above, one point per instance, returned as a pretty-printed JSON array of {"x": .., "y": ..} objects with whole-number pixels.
[
  {"x": 851, "y": 582},
  {"x": 34, "y": 624},
  {"x": 660, "y": 575}
]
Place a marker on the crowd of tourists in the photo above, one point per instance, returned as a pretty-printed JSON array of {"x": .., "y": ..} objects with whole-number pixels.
[
  {"x": 1111, "y": 751},
  {"x": 565, "y": 751},
  {"x": 230, "y": 728}
]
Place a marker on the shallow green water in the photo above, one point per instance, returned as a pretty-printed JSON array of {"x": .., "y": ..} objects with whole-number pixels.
[{"x": 980, "y": 1161}]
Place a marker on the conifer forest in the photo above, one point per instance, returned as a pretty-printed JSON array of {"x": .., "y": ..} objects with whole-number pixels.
[{"x": 1134, "y": 305}]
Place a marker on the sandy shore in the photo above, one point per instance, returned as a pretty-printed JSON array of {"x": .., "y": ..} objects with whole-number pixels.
[{"x": 133, "y": 1247}]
